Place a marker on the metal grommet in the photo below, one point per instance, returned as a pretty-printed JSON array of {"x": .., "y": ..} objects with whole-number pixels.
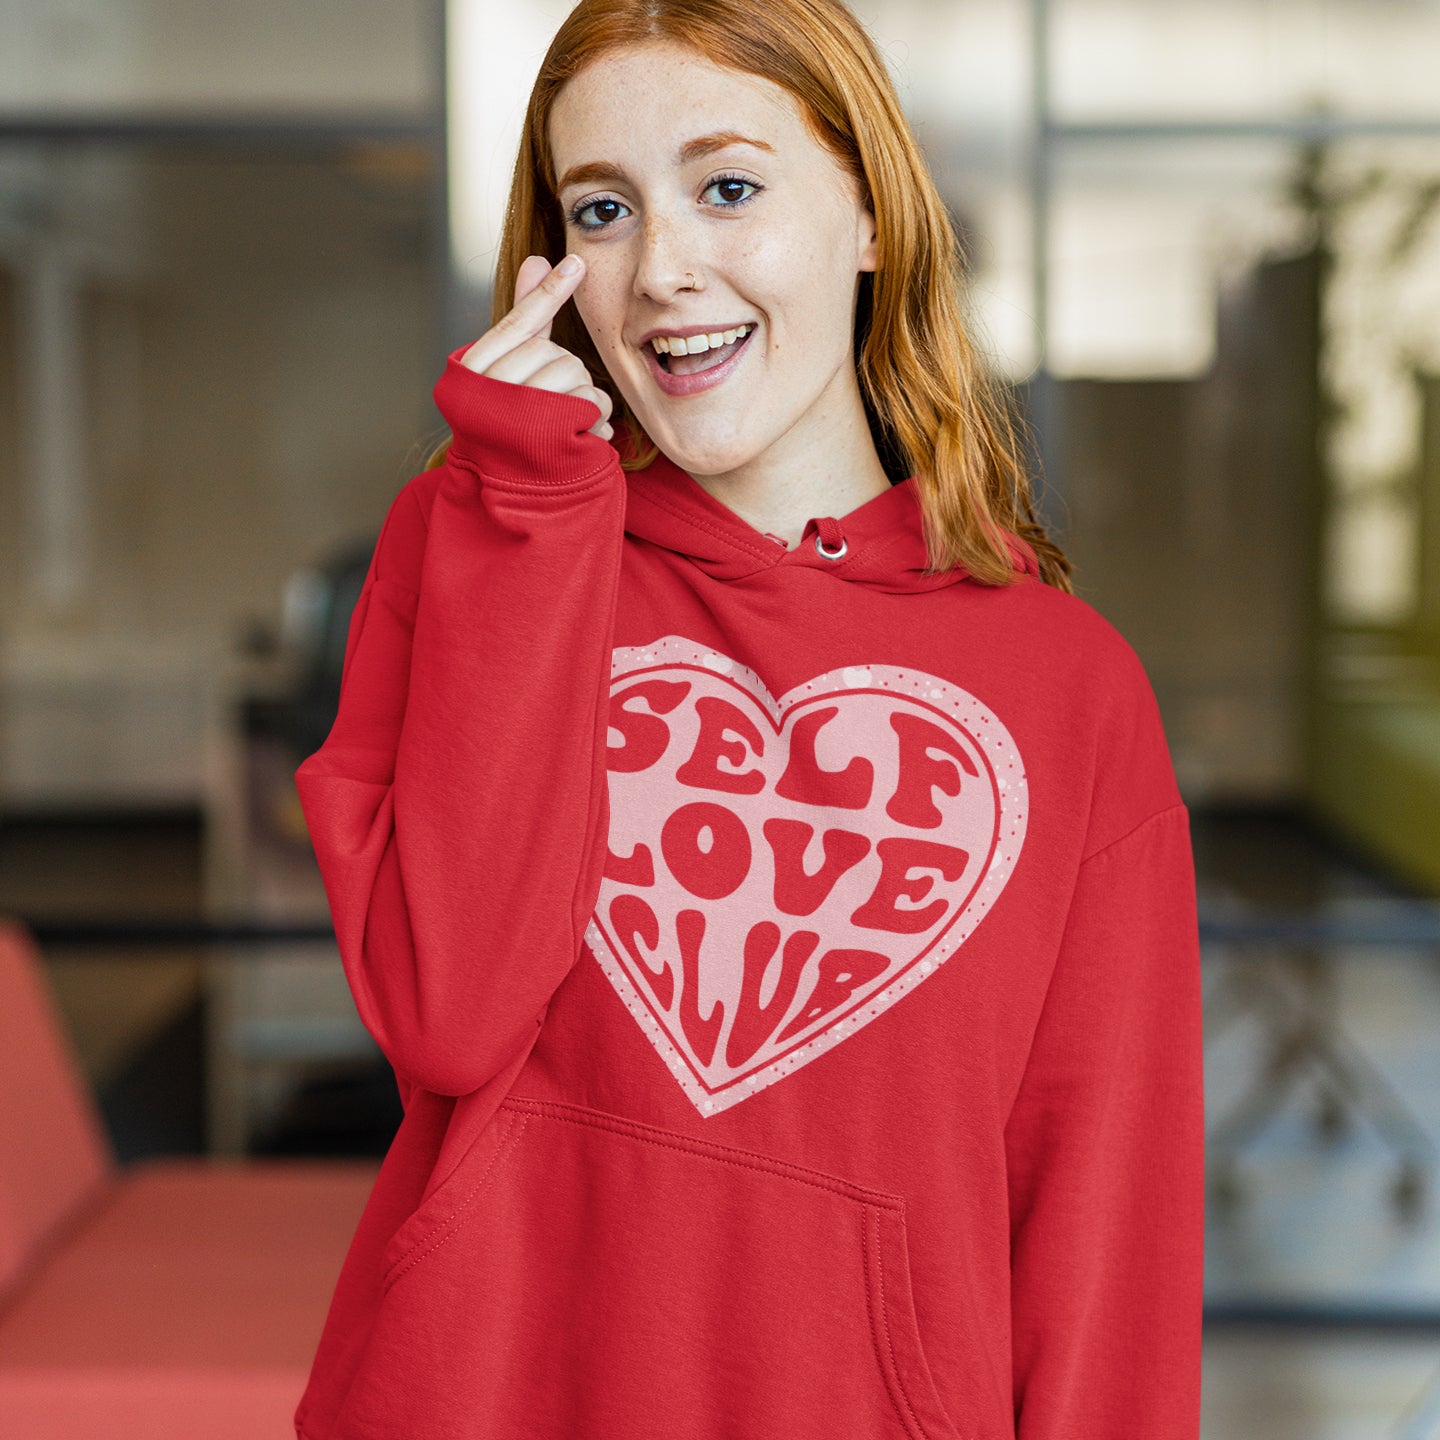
[{"x": 831, "y": 554}]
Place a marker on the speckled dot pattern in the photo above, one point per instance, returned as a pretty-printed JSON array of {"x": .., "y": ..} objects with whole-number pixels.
[{"x": 782, "y": 872}]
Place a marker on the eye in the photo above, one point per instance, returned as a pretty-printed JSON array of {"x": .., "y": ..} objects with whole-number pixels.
[
  {"x": 606, "y": 210},
  {"x": 731, "y": 180},
  {"x": 602, "y": 203}
]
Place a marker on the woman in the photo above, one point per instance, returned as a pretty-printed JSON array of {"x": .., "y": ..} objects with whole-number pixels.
[{"x": 766, "y": 879}]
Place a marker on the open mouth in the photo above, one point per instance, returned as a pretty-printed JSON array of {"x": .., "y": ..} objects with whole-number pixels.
[{"x": 706, "y": 360}]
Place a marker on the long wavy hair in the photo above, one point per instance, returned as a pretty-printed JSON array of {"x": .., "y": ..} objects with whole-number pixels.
[{"x": 935, "y": 406}]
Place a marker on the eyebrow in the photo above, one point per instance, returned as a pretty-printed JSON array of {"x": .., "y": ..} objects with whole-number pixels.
[{"x": 694, "y": 149}]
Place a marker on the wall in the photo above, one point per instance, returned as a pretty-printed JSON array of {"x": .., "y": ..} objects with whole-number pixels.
[
  {"x": 174, "y": 55},
  {"x": 238, "y": 343},
  {"x": 1190, "y": 513}
]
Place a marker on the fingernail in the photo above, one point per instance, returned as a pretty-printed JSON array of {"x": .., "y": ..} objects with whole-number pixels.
[{"x": 569, "y": 265}]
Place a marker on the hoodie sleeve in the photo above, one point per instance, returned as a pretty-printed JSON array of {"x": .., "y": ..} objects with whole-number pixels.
[
  {"x": 1105, "y": 1147},
  {"x": 458, "y": 807}
]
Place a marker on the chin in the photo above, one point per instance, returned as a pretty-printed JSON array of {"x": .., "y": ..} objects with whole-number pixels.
[
  {"x": 707, "y": 459},
  {"x": 701, "y": 454}
]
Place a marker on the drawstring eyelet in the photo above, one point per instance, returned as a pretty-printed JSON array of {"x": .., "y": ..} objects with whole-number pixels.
[{"x": 830, "y": 538}]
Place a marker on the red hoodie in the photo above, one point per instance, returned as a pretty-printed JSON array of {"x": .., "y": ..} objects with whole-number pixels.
[{"x": 789, "y": 965}]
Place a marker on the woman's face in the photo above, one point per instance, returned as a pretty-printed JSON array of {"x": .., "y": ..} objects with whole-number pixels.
[{"x": 772, "y": 232}]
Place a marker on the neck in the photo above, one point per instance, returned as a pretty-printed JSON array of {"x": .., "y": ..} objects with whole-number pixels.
[{"x": 825, "y": 465}]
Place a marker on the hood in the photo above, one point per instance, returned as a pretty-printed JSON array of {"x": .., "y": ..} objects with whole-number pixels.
[{"x": 884, "y": 543}]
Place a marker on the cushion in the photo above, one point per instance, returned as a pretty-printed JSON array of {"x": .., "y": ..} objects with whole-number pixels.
[
  {"x": 190, "y": 1304},
  {"x": 55, "y": 1154}
]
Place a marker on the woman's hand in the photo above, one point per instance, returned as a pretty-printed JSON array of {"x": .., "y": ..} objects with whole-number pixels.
[{"x": 518, "y": 347}]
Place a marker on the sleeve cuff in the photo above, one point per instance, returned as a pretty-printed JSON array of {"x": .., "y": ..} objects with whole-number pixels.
[{"x": 520, "y": 434}]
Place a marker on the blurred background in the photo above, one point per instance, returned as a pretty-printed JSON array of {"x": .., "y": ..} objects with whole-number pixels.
[{"x": 236, "y": 244}]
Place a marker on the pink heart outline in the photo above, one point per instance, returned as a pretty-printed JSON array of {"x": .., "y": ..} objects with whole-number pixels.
[{"x": 859, "y": 694}]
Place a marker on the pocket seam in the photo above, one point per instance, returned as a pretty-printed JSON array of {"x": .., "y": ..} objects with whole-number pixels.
[
  {"x": 712, "y": 1150},
  {"x": 452, "y": 1224},
  {"x": 880, "y": 1325}
]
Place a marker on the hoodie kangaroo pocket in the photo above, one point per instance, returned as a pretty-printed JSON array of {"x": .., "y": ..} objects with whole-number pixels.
[
  {"x": 583, "y": 1274},
  {"x": 449, "y": 1207}
]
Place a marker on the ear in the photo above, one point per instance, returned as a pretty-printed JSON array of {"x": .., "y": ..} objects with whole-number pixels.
[{"x": 869, "y": 258}]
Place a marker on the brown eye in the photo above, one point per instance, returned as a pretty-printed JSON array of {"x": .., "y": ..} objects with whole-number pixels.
[
  {"x": 602, "y": 203},
  {"x": 729, "y": 181}
]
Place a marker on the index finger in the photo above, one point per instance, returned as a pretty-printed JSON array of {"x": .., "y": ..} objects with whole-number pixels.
[
  {"x": 533, "y": 269},
  {"x": 529, "y": 316}
]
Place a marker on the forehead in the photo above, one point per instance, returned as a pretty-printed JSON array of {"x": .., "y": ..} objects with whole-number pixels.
[{"x": 648, "y": 102}]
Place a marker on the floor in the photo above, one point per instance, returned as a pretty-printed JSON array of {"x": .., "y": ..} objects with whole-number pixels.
[{"x": 1322, "y": 1293}]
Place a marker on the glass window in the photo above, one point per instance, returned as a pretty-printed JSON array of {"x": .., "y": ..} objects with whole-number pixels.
[{"x": 1223, "y": 59}]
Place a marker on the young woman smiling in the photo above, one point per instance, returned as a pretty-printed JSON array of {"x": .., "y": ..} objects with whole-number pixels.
[{"x": 766, "y": 878}]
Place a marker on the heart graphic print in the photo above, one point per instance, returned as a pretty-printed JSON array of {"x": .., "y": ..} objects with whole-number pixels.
[{"x": 782, "y": 871}]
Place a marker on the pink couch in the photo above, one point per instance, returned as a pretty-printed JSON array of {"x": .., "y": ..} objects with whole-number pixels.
[{"x": 175, "y": 1296}]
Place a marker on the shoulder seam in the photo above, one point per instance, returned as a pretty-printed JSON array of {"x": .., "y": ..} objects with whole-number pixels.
[
  {"x": 412, "y": 489},
  {"x": 1120, "y": 839},
  {"x": 407, "y": 492},
  {"x": 396, "y": 585}
]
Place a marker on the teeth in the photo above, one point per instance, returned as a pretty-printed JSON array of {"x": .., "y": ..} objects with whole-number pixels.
[{"x": 679, "y": 345}]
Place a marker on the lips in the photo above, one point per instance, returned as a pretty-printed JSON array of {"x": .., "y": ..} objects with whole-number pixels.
[{"x": 682, "y": 385}]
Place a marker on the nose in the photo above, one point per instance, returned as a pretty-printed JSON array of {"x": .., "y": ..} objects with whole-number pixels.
[{"x": 667, "y": 261}]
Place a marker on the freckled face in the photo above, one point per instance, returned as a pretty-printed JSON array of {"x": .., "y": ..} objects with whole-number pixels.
[{"x": 775, "y": 238}]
